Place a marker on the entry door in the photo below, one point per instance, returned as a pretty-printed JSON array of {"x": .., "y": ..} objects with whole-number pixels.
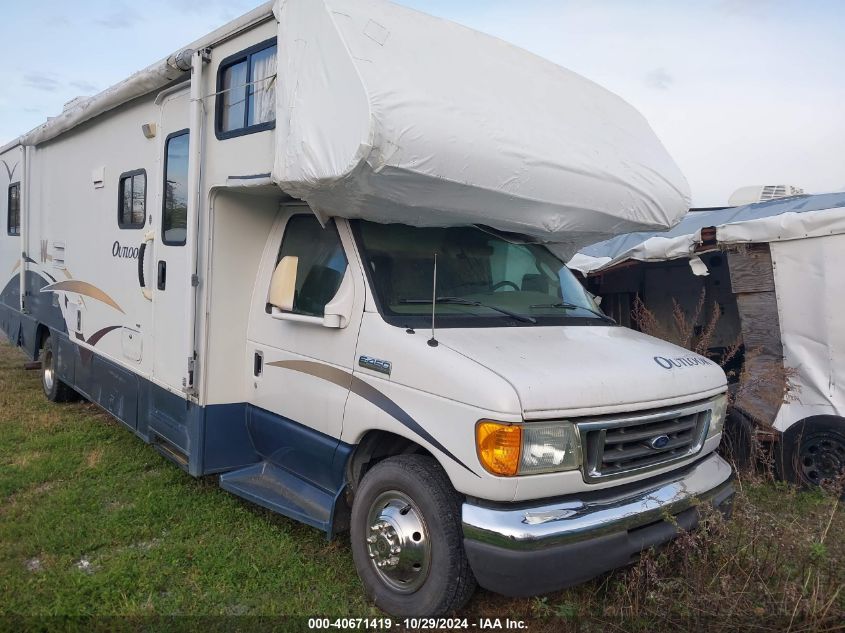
[
  {"x": 299, "y": 371},
  {"x": 169, "y": 268}
]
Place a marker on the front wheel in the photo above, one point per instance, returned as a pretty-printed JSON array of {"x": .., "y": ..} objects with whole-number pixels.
[
  {"x": 54, "y": 389},
  {"x": 407, "y": 540}
]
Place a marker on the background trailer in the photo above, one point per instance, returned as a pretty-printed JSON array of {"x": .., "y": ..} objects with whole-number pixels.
[{"x": 774, "y": 272}]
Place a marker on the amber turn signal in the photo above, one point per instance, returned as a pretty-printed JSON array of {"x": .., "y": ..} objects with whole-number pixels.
[{"x": 499, "y": 446}]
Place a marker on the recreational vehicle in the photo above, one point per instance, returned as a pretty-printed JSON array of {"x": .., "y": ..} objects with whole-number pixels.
[
  {"x": 308, "y": 253},
  {"x": 771, "y": 271}
]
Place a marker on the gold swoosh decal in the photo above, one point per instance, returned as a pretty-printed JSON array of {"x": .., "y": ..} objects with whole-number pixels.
[
  {"x": 16, "y": 266},
  {"x": 345, "y": 379},
  {"x": 67, "y": 274},
  {"x": 85, "y": 289}
]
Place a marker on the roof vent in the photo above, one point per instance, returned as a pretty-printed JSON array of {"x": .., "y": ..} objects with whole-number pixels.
[{"x": 761, "y": 193}]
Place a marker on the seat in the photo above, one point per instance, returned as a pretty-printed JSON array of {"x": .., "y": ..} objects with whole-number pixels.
[{"x": 319, "y": 287}]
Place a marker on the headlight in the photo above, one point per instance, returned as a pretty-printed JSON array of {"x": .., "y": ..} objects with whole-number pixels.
[
  {"x": 717, "y": 415},
  {"x": 527, "y": 449}
]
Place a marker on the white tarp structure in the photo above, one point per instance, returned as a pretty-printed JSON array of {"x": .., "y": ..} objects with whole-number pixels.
[
  {"x": 808, "y": 280},
  {"x": 391, "y": 115},
  {"x": 773, "y": 221},
  {"x": 806, "y": 235}
]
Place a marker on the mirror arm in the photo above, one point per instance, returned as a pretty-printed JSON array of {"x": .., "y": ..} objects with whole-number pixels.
[{"x": 298, "y": 318}]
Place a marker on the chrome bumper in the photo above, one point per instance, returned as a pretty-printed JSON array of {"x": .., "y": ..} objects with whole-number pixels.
[{"x": 601, "y": 513}]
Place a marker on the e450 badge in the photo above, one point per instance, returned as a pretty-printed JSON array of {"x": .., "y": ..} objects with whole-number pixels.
[{"x": 376, "y": 364}]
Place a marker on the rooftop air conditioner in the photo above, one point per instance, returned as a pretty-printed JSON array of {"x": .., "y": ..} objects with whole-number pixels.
[{"x": 761, "y": 193}]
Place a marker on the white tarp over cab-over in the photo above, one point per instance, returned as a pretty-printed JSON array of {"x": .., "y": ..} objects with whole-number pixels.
[{"x": 396, "y": 116}]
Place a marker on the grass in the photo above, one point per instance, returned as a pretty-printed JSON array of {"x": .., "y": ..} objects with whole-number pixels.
[{"x": 93, "y": 522}]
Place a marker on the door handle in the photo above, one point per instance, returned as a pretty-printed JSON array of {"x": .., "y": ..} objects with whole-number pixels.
[
  {"x": 142, "y": 250},
  {"x": 162, "y": 275},
  {"x": 258, "y": 364}
]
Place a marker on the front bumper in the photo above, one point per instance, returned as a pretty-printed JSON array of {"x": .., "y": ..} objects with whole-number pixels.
[{"x": 532, "y": 550}]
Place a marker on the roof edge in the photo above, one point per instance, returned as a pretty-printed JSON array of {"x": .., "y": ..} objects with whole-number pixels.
[
  {"x": 143, "y": 82},
  {"x": 10, "y": 145}
]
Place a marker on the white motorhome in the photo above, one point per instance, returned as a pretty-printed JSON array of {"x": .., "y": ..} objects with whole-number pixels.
[
  {"x": 771, "y": 269},
  {"x": 307, "y": 253}
]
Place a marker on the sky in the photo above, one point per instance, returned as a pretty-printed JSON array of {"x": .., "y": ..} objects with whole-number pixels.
[{"x": 741, "y": 92}]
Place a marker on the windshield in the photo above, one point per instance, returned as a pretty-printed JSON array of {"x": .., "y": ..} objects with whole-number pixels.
[{"x": 481, "y": 276}]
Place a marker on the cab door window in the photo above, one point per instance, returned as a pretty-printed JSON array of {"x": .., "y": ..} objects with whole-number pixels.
[{"x": 322, "y": 262}]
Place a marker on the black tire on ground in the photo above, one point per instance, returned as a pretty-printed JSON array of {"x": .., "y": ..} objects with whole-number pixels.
[
  {"x": 737, "y": 439},
  {"x": 54, "y": 389},
  {"x": 429, "y": 575},
  {"x": 812, "y": 452}
]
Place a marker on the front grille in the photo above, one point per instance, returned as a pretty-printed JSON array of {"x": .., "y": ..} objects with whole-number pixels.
[{"x": 620, "y": 445}]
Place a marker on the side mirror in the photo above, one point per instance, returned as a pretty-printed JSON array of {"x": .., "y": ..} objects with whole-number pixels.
[
  {"x": 283, "y": 284},
  {"x": 337, "y": 312}
]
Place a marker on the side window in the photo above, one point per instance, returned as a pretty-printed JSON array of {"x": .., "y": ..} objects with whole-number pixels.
[
  {"x": 174, "y": 221},
  {"x": 13, "y": 221},
  {"x": 246, "y": 87},
  {"x": 132, "y": 200},
  {"x": 322, "y": 262}
]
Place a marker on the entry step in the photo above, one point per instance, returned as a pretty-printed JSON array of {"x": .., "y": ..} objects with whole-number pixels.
[{"x": 281, "y": 491}]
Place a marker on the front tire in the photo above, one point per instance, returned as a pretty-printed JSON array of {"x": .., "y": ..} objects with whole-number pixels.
[
  {"x": 407, "y": 540},
  {"x": 54, "y": 389}
]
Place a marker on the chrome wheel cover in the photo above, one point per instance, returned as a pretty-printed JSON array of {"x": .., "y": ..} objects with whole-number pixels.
[
  {"x": 398, "y": 542},
  {"x": 48, "y": 375}
]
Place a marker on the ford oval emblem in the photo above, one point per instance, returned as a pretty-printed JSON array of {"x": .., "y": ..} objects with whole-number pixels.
[{"x": 659, "y": 442}]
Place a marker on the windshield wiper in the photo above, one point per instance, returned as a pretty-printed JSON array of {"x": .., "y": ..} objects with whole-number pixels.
[
  {"x": 477, "y": 304},
  {"x": 572, "y": 306}
]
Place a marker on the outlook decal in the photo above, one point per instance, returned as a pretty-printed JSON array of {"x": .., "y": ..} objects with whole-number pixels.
[{"x": 683, "y": 361}]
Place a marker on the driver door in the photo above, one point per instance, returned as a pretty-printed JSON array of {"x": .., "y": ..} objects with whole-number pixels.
[{"x": 298, "y": 364}]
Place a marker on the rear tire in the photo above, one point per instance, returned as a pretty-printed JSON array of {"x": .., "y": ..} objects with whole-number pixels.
[
  {"x": 407, "y": 540},
  {"x": 54, "y": 389}
]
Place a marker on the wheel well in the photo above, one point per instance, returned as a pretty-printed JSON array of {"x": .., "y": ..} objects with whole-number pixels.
[
  {"x": 794, "y": 431},
  {"x": 373, "y": 448}
]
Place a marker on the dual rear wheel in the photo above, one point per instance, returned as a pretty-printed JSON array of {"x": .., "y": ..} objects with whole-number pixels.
[{"x": 54, "y": 389}]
